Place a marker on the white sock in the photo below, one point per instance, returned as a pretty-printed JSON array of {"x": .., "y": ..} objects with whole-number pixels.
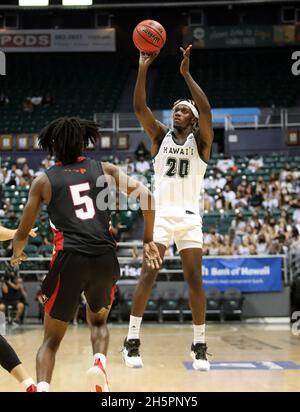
[
  {"x": 134, "y": 327},
  {"x": 43, "y": 387},
  {"x": 101, "y": 357},
  {"x": 27, "y": 382},
  {"x": 199, "y": 334}
]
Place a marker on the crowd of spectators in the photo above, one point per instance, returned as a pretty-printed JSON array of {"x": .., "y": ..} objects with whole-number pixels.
[{"x": 270, "y": 226}]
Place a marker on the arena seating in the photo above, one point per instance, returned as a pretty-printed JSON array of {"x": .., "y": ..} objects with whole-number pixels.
[
  {"x": 80, "y": 85},
  {"x": 231, "y": 78}
]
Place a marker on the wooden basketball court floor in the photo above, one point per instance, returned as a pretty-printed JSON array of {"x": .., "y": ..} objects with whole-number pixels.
[{"x": 246, "y": 357}]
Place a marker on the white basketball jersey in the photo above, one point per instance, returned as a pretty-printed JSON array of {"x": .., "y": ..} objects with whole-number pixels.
[{"x": 179, "y": 173}]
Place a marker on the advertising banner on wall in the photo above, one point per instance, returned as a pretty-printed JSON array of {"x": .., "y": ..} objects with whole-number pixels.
[
  {"x": 213, "y": 37},
  {"x": 246, "y": 274},
  {"x": 98, "y": 40}
]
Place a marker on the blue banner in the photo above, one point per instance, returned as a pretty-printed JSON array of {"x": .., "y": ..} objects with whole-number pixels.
[{"x": 246, "y": 274}]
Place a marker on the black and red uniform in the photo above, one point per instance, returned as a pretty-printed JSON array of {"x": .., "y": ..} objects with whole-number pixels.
[{"x": 85, "y": 251}]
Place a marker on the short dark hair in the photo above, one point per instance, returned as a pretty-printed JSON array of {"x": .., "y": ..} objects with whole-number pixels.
[{"x": 66, "y": 137}]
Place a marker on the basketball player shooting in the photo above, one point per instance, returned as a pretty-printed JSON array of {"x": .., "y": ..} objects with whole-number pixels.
[
  {"x": 180, "y": 157},
  {"x": 85, "y": 257},
  {"x": 9, "y": 360}
]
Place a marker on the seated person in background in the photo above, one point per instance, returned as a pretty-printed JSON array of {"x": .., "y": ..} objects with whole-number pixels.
[
  {"x": 141, "y": 151},
  {"x": 12, "y": 177},
  {"x": 142, "y": 166},
  {"x": 12, "y": 293},
  {"x": 36, "y": 100},
  {"x": 27, "y": 105}
]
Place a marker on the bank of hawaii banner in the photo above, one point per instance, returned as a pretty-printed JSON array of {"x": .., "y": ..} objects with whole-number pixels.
[{"x": 251, "y": 274}]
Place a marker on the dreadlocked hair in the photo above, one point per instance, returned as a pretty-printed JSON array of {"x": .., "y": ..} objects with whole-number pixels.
[{"x": 66, "y": 137}]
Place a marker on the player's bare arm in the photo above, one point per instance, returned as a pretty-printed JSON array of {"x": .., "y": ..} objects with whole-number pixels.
[
  {"x": 135, "y": 189},
  {"x": 154, "y": 129},
  {"x": 8, "y": 234},
  {"x": 202, "y": 103},
  {"x": 29, "y": 216}
]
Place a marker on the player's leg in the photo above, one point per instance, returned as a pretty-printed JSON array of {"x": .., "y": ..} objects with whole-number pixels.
[
  {"x": 9, "y": 361},
  {"x": 192, "y": 267},
  {"x": 54, "y": 331},
  {"x": 102, "y": 273},
  {"x": 100, "y": 340},
  {"x": 62, "y": 288},
  {"x": 131, "y": 353}
]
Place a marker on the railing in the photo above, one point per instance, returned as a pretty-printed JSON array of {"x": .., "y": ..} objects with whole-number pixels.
[
  {"x": 131, "y": 266},
  {"x": 228, "y": 118}
]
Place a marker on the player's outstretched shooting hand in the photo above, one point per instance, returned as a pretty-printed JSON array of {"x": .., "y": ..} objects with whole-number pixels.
[
  {"x": 147, "y": 59},
  {"x": 185, "y": 64}
]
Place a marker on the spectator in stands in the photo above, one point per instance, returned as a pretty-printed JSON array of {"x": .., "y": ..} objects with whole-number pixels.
[
  {"x": 27, "y": 105},
  {"x": 221, "y": 181},
  {"x": 296, "y": 214},
  {"x": 257, "y": 198},
  {"x": 238, "y": 224},
  {"x": 142, "y": 165},
  {"x": 285, "y": 172},
  {"x": 4, "y": 100},
  {"x": 12, "y": 177},
  {"x": 48, "y": 162},
  {"x": 229, "y": 197},
  {"x": 142, "y": 151},
  {"x": 245, "y": 247},
  {"x": 271, "y": 199},
  {"x": 214, "y": 249},
  {"x": 12, "y": 294},
  {"x": 241, "y": 200},
  {"x": 225, "y": 164},
  {"x": 129, "y": 166},
  {"x": 255, "y": 163},
  {"x": 295, "y": 241},
  {"x": 27, "y": 176},
  {"x": 208, "y": 202},
  {"x": 262, "y": 246},
  {"x": 226, "y": 246},
  {"x": 36, "y": 100}
]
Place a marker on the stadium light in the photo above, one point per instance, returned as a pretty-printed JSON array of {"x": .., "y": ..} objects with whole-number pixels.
[
  {"x": 77, "y": 2},
  {"x": 33, "y": 2}
]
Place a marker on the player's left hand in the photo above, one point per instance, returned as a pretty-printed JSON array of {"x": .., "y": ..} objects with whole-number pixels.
[
  {"x": 185, "y": 64},
  {"x": 16, "y": 260},
  {"x": 152, "y": 256}
]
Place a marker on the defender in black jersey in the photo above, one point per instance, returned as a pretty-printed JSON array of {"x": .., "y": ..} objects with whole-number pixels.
[
  {"x": 9, "y": 360},
  {"x": 85, "y": 257}
]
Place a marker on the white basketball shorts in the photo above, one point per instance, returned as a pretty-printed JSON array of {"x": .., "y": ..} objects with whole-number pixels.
[{"x": 185, "y": 230}]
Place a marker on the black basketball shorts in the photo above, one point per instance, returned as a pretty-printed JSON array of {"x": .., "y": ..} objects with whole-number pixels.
[{"x": 71, "y": 274}]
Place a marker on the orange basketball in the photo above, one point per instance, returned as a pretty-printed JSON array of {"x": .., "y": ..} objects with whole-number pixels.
[{"x": 149, "y": 36}]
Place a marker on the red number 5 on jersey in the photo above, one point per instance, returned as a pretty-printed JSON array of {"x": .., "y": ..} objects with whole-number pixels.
[{"x": 88, "y": 212}]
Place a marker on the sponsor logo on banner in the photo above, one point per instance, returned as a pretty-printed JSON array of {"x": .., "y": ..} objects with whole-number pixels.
[{"x": 58, "y": 40}]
